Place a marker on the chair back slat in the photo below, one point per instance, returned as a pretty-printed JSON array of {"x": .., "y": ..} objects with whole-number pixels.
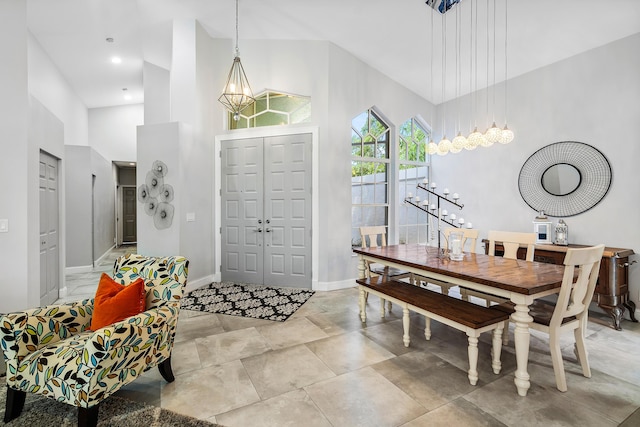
[
  {"x": 468, "y": 235},
  {"x": 371, "y": 234},
  {"x": 512, "y": 241},
  {"x": 576, "y": 294}
]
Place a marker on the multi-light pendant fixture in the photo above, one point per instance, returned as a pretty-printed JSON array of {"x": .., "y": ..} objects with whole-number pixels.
[{"x": 493, "y": 134}]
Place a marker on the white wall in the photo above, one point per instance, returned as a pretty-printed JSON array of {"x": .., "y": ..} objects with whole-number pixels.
[
  {"x": 112, "y": 131},
  {"x": 590, "y": 98},
  {"x": 49, "y": 86},
  {"x": 157, "y": 98}
]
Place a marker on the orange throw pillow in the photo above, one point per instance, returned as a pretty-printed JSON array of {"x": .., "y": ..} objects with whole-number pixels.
[{"x": 115, "y": 302}]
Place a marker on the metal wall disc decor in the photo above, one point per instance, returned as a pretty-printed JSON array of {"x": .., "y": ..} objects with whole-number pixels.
[
  {"x": 565, "y": 178},
  {"x": 156, "y": 196}
]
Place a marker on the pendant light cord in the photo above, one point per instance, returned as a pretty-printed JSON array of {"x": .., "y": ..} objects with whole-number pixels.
[{"x": 237, "y": 49}]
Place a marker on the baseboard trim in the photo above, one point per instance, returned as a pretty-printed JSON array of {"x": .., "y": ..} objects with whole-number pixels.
[
  {"x": 198, "y": 283},
  {"x": 78, "y": 269},
  {"x": 333, "y": 286}
]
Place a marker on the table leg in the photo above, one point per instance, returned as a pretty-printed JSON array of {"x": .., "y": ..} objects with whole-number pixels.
[
  {"x": 522, "y": 320},
  {"x": 361, "y": 267}
]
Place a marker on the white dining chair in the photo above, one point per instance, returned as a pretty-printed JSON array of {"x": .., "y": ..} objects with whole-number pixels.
[
  {"x": 511, "y": 242},
  {"x": 571, "y": 309},
  {"x": 373, "y": 237}
]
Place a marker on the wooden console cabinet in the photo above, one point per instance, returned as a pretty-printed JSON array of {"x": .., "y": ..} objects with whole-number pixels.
[{"x": 612, "y": 289}]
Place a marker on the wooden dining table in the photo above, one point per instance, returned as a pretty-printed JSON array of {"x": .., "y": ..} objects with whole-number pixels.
[{"x": 517, "y": 280}]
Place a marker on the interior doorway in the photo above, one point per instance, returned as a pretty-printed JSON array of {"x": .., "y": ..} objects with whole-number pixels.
[
  {"x": 266, "y": 208},
  {"x": 49, "y": 229},
  {"x": 126, "y": 204}
]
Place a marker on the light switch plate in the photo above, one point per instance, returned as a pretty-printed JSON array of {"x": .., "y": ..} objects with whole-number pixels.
[{"x": 4, "y": 225}]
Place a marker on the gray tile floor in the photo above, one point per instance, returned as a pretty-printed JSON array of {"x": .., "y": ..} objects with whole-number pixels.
[{"x": 323, "y": 367}]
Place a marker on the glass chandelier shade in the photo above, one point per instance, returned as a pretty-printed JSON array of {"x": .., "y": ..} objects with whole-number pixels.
[
  {"x": 506, "y": 136},
  {"x": 444, "y": 146},
  {"x": 493, "y": 133},
  {"x": 432, "y": 147},
  {"x": 458, "y": 143},
  {"x": 475, "y": 139},
  {"x": 237, "y": 94}
]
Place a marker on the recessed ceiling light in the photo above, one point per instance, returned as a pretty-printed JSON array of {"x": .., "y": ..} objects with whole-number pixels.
[
  {"x": 116, "y": 60},
  {"x": 109, "y": 39}
]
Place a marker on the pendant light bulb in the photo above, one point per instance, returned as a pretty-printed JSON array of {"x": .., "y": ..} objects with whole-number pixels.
[
  {"x": 493, "y": 134},
  {"x": 444, "y": 146},
  {"x": 506, "y": 136},
  {"x": 458, "y": 143}
]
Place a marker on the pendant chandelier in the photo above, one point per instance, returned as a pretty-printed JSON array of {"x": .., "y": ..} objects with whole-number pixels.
[
  {"x": 494, "y": 133},
  {"x": 237, "y": 94}
]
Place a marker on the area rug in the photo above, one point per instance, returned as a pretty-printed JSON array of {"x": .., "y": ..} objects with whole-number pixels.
[
  {"x": 247, "y": 300},
  {"x": 114, "y": 411}
]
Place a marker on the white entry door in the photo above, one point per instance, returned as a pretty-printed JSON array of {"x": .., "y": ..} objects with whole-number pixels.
[
  {"x": 49, "y": 224},
  {"x": 266, "y": 210}
]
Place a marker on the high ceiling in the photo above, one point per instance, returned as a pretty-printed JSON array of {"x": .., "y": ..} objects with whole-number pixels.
[{"x": 393, "y": 36}]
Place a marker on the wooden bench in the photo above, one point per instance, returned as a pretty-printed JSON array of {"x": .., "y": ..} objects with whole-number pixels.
[{"x": 462, "y": 315}]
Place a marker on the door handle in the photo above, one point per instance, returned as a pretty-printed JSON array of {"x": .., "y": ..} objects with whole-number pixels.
[
  {"x": 259, "y": 229},
  {"x": 259, "y": 221},
  {"x": 268, "y": 230}
]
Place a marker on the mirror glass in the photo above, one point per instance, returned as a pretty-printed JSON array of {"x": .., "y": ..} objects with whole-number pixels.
[{"x": 561, "y": 179}]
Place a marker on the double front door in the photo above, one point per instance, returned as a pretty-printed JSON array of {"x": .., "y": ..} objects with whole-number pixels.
[{"x": 266, "y": 210}]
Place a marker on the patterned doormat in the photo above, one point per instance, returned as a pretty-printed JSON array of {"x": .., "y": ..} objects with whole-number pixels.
[{"x": 247, "y": 300}]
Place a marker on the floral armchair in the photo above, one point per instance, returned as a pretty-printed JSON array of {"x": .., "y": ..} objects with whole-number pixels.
[{"x": 51, "y": 351}]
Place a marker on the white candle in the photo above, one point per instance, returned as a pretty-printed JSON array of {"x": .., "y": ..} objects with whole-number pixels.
[
  {"x": 445, "y": 191},
  {"x": 433, "y": 185},
  {"x": 469, "y": 225},
  {"x": 425, "y": 202},
  {"x": 425, "y": 181},
  {"x": 410, "y": 195},
  {"x": 456, "y": 196},
  {"x": 444, "y": 212},
  {"x": 461, "y": 221},
  {"x": 417, "y": 199},
  {"x": 432, "y": 207},
  {"x": 453, "y": 217}
]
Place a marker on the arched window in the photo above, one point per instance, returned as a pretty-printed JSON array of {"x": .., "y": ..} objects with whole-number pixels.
[
  {"x": 413, "y": 169},
  {"x": 273, "y": 108},
  {"x": 370, "y": 137}
]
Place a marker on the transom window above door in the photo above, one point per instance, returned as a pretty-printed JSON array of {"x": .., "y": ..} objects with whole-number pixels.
[{"x": 271, "y": 109}]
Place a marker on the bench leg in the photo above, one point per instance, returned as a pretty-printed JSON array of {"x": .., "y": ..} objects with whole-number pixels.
[
  {"x": 405, "y": 326},
  {"x": 505, "y": 333},
  {"x": 496, "y": 350},
  {"x": 473, "y": 359},
  {"x": 427, "y": 328},
  {"x": 363, "y": 298},
  {"x": 382, "y": 308}
]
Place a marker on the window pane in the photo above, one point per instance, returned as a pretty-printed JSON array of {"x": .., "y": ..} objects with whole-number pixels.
[
  {"x": 381, "y": 149},
  {"x": 376, "y": 127},
  {"x": 360, "y": 123},
  {"x": 380, "y": 193},
  {"x": 380, "y": 215},
  {"x": 402, "y": 149},
  {"x": 270, "y": 118},
  {"x": 356, "y": 217}
]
